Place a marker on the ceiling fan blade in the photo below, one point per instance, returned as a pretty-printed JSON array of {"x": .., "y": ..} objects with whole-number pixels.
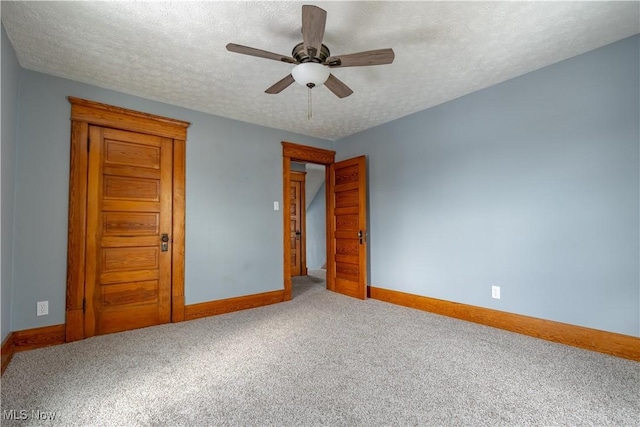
[
  {"x": 281, "y": 85},
  {"x": 313, "y": 22},
  {"x": 245, "y": 50},
  {"x": 371, "y": 57},
  {"x": 340, "y": 89}
]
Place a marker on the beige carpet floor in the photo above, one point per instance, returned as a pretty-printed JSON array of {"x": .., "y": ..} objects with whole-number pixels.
[{"x": 321, "y": 359}]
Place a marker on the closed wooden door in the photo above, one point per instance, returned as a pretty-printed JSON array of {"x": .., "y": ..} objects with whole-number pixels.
[
  {"x": 297, "y": 232},
  {"x": 349, "y": 228},
  {"x": 128, "y": 273}
]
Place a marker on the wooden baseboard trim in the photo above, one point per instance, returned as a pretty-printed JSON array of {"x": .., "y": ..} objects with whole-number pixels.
[
  {"x": 30, "y": 339},
  {"x": 625, "y": 346},
  {"x": 7, "y": 351},
  {"x": 212, "y": 308}
]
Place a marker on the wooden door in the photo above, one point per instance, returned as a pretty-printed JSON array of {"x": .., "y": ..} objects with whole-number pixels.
[
  {"x": 129, "y": 205},
  {"x": 349, "y": 226},
  {"x": 297, "y": 230}
]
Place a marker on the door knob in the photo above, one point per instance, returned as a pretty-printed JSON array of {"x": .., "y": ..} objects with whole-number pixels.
[
  {"x": 164, "y": 242},
  {"x": 298, "y": 234}
]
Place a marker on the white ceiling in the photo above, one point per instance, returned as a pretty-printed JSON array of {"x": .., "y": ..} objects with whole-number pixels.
[{"x": 175, "y": 52}]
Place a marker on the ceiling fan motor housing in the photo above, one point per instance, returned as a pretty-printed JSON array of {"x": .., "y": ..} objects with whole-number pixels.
[{"x": 300, "y": 55}]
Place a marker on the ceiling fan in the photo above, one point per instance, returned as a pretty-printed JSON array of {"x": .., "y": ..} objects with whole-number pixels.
[{"x": 313, "y": 58}]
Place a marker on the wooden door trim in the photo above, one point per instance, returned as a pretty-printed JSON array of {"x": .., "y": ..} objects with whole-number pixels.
[
  {"x": 76, "y": 240},
  {"x": 303, "y": 153},
  {"x": 96, "y": 113},
  {"x": 83, "y": 114},
  {"x": 178, "y": 230}
]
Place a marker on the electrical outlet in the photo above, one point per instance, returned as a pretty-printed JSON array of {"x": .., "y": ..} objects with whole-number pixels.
[
  {"x": 495, "y": 292},
  {"x": 42, "y": 308}
]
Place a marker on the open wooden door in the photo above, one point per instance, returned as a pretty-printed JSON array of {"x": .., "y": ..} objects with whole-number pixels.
[{"x": 349, "y": 226}]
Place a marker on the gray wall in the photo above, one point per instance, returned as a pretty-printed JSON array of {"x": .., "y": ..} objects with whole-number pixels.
[
  {"x": 234, "y": 173},
  {"x": 531, "y": 185},
  {"x": 298, "y": 167},
  {"x": 316, "y": 231},
  {"x": 10, "y": 92}
]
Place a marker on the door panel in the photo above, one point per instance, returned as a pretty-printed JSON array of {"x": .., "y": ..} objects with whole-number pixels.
[
  {"x": 349, "y": 226},
  {"x": 297, "y": 231},
  {"x": 294, "y": 195},
  {"x": 127, "y": 187},
  {"x": 129, "y": 293},
  {"x": 128, "y": 275},
  {"x": 130, "y": 223}
]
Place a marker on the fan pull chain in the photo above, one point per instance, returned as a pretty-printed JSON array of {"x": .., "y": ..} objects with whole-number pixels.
[{"x": 309, "y": 112}]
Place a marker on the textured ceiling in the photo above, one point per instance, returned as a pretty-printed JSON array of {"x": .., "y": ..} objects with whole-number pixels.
[{"x": 175, "y": 52}]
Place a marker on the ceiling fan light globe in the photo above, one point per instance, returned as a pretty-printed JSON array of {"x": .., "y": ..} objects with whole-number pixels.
[{"x": 310, "y": 73}]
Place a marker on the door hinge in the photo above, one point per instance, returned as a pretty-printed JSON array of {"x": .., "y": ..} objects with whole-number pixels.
[{"x": 84, "y": 305}]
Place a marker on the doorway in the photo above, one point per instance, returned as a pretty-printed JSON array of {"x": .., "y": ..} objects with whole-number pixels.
[
  {"x": 315, "y": 221},
  {"x": 346, "y": 222},
  {"x": 126, "y": 220}
]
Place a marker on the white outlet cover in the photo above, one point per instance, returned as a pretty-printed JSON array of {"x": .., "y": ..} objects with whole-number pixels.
[
  {"x": 276, "y": 206},
  {"x": 495, "y": 292},
  {"x": 42, "y": 308}
]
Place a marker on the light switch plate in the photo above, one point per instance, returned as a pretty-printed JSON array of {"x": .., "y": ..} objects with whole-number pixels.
[{"x": 276, "y": 206}]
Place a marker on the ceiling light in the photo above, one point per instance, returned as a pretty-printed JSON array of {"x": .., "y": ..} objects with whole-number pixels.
[{"x": 310, "y": 74}]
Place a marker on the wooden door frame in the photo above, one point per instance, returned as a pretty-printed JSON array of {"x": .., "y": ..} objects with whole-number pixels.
[
  {"x": 301, "y": 177},
  {"x": 83, "y": 114},
  {"x": 303, "y": 153}
]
